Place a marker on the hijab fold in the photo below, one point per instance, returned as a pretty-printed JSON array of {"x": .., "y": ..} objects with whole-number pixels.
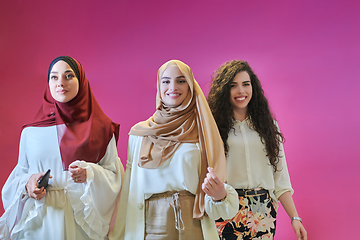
[
  {"x": 190, "y": 122},
  {"x": 84, "y": 131}
]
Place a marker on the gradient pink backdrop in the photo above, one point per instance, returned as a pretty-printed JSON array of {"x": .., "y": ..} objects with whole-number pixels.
[{"x": 306, "y": 53}]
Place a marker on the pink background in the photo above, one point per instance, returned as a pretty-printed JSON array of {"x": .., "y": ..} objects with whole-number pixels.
[{"x": 306, "y": 53}]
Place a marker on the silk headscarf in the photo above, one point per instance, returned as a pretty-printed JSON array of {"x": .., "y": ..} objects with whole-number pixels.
[
  {"x": 84, "y": 131},
  {"x": 190, "y": 122}
]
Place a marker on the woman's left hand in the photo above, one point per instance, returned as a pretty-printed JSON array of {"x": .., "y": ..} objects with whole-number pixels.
[
  {"x": 299, "y": 229},
  {"x": 213, "y": 186},
  {"x": 77, "y": 174}
]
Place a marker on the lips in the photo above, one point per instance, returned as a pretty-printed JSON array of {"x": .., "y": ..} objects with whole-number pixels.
[
  {"x": 241, "y": 98},
  {"x": 62, "y": 91},
  {"x": 173, "y": 95}
]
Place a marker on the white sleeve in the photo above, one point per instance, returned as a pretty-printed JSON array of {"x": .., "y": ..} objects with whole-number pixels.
[
  {"x": 282, "y": 177},
  {"x": 14, "y": 194},
  {"x": 93, "y": 202},
  {"x": 118, "y": 232},
  {"x": 225, "y": 209}
]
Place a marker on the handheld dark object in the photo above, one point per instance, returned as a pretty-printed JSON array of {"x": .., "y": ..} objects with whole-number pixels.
[{"x": 44, "y": 180}]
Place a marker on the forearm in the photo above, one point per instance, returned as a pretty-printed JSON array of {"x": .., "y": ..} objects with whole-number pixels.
[{"x": 288, "y": 203}]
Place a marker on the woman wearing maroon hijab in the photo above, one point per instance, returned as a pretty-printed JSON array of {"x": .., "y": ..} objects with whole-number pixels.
[{"x": 73, "y": 138}]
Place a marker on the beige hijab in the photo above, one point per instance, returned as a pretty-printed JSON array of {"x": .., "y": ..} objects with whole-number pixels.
[{"x": 190, "y": 122}]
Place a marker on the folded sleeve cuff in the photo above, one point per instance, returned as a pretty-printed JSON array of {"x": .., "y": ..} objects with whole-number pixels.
[
  {"x": 79, "y": 197},
  {"x": 226, "y": 208}
]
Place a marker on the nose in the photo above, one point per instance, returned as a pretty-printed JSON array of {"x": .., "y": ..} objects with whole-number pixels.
[
  {"x": 60, "y": 82},
  {"x": 241, "y": 89},
  {"x": 172, "y": 85}
]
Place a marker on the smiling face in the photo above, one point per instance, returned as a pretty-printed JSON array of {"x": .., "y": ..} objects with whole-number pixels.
[
  {"x": 173, "y": 87},
  {"x": 240, "y": 93},
  {"x": 63, "y": 83}
]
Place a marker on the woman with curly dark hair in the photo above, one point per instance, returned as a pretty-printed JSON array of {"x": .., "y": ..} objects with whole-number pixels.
[{"x": 256, "y": 165}]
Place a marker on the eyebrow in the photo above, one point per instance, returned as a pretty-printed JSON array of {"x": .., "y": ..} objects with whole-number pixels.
[
  {"x": 64, "y": 72},
  {"x": 176, "y": 77},
  {"x": 242, "y": 82}
]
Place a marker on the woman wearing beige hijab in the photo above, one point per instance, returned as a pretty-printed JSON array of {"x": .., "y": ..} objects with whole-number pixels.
[{"x": 174, "y": 184}]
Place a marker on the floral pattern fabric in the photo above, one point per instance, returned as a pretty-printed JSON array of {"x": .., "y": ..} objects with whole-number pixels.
[{"x": 255, "y": 220}]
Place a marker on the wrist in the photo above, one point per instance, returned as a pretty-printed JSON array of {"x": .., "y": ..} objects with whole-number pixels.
[
  {"x": 296, "y": 218},
  {"x": 220, "y": 200}
]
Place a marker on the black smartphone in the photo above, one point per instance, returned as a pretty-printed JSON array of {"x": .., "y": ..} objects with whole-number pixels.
[{"x": 44, "y": 180}]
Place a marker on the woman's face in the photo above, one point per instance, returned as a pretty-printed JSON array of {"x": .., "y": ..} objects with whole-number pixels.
[
  {"x": 63, "y": 83},
  {"x": 241, "y": 92},
  {"x": 173, "y": 87}
]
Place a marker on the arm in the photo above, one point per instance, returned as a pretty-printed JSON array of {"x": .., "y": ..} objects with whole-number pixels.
[
  {"x": 288, "y": 203},
  {"x": 93, "y": 199},
  {"x": 221, "y": 200}
]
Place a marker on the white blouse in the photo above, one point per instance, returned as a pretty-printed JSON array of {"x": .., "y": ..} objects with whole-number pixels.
[
  {"x": 69, "y": 210},
  {"x": 180, "y": 172},
  {"x": 249, "y": 167}
]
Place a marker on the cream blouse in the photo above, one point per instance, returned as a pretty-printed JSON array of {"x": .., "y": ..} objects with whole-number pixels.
[
  {"x": 179, "y": 172},
  {"x": 249, "y": 167},
  {"x": 175, "y": 174}
]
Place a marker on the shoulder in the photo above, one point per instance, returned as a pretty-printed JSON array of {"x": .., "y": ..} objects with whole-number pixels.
[
  {"x": 139, "y": 126},
  {"x": 39, "y": 132},
  {"x": 134, "y": 141}
]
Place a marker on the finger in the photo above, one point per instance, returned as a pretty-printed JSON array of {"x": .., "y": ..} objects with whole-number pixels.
[
  {"x": 207, "y": 185},
  {"x": 39, "y": 191},
  {"x": 213, "y": 175},
  {"x": 206, "y": 182},
  {"x": 34, "y": 196},
  {"x": 211, "y": 180},
  {"x": 304, "y": 234},
  {"x": 41, "y": 175},
  {"x": 204, "y": 188}
]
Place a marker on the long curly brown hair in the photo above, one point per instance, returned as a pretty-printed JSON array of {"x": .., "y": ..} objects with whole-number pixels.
[{"x": 262, "y": 121}]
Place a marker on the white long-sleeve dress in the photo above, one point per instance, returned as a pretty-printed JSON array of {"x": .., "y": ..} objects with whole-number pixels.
[
  {"x": 179, "y": 172},
  {"x": 69, "y": 210}
]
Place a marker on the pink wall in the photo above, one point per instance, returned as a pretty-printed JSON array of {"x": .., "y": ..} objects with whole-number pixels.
[{"x": 306, "y": 53}]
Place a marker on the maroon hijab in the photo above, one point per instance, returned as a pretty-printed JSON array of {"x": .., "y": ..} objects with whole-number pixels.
[{"x": 84, "y": 131}]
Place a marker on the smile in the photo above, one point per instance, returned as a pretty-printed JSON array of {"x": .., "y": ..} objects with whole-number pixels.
[
  {"x": 173, "y": 94},
  {"x": 240, "y": 98}
]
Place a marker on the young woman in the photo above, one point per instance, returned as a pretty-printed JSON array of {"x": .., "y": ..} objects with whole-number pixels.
[
  {"x": 256, "y": 165},
  {"x": 168, "y": 192},
  {"x": 75, "y": 140}
]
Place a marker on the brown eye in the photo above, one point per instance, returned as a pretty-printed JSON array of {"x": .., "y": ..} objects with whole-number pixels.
[{"x": 69, "y": 76}]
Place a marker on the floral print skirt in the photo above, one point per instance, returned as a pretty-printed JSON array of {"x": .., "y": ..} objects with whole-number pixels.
[{"x": 256, "y": 219}]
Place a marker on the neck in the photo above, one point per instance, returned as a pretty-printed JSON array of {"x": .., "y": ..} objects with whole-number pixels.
[{"x": 240, "y": 115}]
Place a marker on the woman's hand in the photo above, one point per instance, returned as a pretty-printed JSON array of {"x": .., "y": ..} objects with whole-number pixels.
[
  {"x": 77, "y": 174},
  {"x": 288, "y": 203},
  {"x": 32, "y": 186},
  {"x": 213, "y": 186},
  {"x": 299, "y": 229}
]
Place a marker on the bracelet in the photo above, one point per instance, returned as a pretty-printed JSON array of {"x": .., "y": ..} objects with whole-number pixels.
[{"x": 296, "y": 218}]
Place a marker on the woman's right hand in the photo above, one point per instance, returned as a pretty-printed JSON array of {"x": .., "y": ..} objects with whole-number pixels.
[{"x": 32, "y": 186}]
